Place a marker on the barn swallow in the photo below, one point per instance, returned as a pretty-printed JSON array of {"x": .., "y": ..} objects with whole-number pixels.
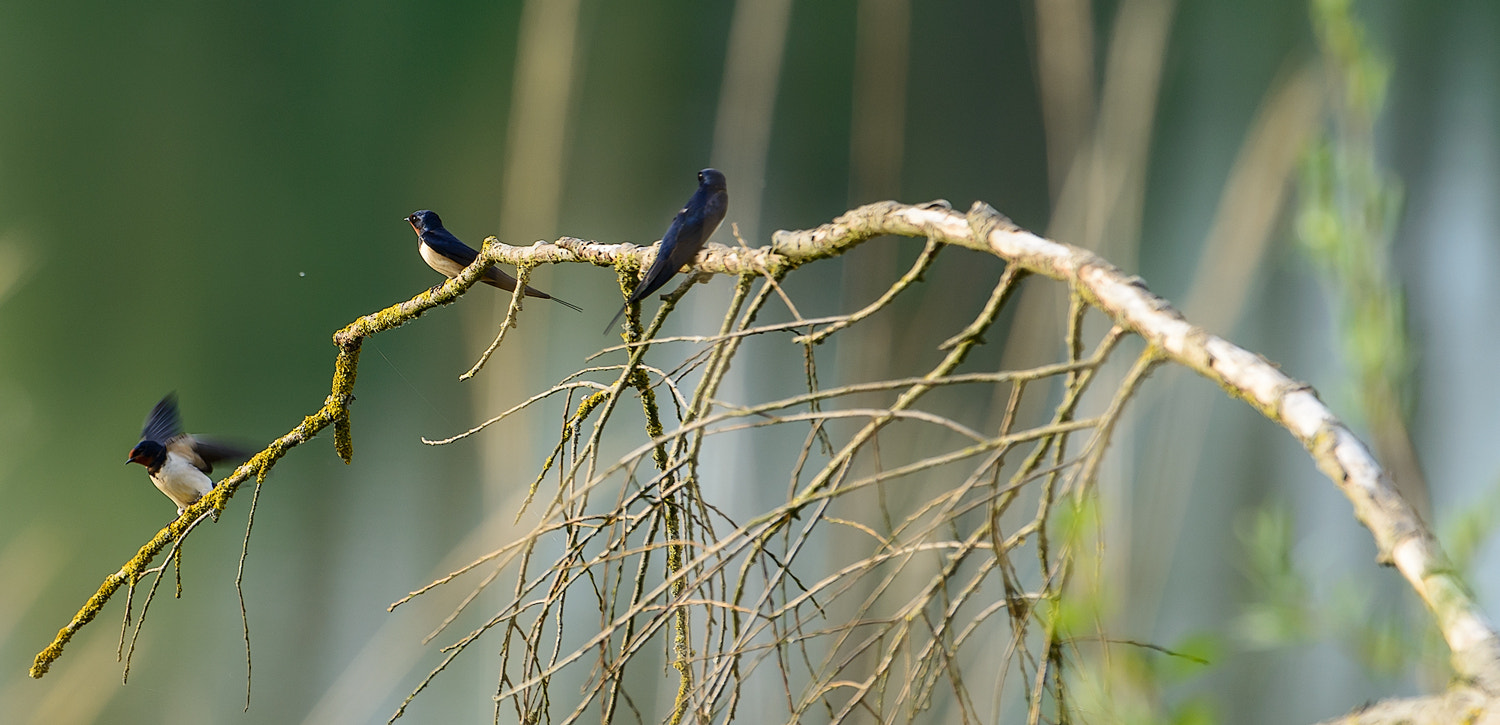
[
  {"x": 690, "y": 229},
  {"x": 179, "y": 464},
  {"x": 445, "y": 253}
]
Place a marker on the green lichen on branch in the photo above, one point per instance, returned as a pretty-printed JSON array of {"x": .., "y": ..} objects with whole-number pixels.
[
  {"x": 335, "y": 411},
  {"x": 1402, "y": 538},
  {"x": 215, "y": 500}
]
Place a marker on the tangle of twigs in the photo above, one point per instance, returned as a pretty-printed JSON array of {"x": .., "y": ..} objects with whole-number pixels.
[{"x": 868, "y": 592}]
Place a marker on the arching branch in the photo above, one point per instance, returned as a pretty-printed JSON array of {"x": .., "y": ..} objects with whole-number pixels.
[{"x": 1402, "y": 538}]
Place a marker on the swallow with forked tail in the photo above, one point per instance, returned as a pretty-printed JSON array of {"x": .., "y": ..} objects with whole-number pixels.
[{"x": 445, "y": 253}]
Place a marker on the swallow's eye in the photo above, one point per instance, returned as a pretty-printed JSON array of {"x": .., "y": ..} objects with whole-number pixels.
[{"x": 700, "y": 177}]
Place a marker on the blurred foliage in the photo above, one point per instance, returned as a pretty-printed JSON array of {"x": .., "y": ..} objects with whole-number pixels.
[
  {"x": 1281, "y": 615},
  {"x": 1289, "y": 611},
  {"x": 1466, "y": 530},
  {"x": 1349, "y": 208}
]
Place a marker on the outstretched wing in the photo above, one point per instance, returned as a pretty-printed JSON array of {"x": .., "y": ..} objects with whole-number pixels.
[
  {"x": 163, "y": 424},
  {"x": 209, "y": 451}
]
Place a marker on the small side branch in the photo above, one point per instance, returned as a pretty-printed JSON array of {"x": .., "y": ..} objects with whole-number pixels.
[{"x": 335, "y": 412}]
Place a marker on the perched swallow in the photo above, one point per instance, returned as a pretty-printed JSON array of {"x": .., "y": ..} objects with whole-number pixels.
[
  {"x": 445, "y": 253},
  {"x": 179, "y": 464},
  {"x": 690, "y": 229}
]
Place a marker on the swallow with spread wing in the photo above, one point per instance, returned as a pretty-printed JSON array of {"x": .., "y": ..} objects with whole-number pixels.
[{"x": 179, "y": 464}]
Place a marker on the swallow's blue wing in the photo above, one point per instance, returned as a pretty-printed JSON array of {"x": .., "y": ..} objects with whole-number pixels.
[
  {"x": 443, "y": 242},
  {"x": 163, "y": 424}
]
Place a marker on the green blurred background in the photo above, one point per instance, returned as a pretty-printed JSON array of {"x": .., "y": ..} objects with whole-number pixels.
[{"x": 194, "y": 197}]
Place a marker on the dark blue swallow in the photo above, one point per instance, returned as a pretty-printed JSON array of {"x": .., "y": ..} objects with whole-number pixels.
[
  {"x": 690, "y": 229},
  {"x": 445, "y": 253}
]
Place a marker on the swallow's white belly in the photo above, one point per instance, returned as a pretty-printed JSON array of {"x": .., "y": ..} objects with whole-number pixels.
[
  {"x": 447, "y": 267},
  {"x": 181, "y": 481}
]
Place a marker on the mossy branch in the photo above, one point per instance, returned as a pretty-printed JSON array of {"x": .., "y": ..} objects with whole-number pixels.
[
  {"x": 215, "y": 499},
  {"x": 335, "y": 411},
  {"x": 1402, "y": 538}
]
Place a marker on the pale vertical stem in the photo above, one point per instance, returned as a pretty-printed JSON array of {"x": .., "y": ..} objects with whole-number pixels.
[
  {"x": 742, "y": 142},
  {"x": 1249, "y": 208},
  {"x": 747, "y": 104},
  {"x": 1253, "y": 199},
  {"x": 877, "y": 139},
  {"x": 877, "y": 126},
  {"x": 1101, "y": 199},
  {"x": 535, "y": 150},
  {"x": 1101, "y": 196},
  {"x": 1098, "y": 207},
  {"x": 1065, "y": 81},
  {"x": 531, "y": 193},
  {"x": 530, "y": 202}
]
